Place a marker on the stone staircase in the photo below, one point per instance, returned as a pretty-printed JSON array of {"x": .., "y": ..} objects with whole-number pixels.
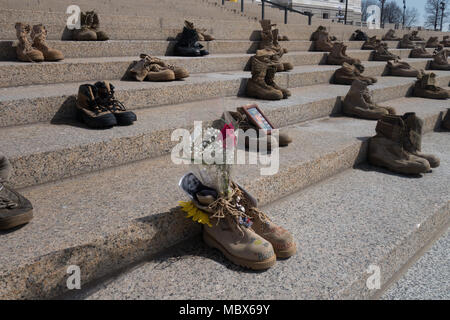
[{"x": 106, "y": 200}]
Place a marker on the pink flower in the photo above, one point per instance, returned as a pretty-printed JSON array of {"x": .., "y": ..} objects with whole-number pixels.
[{"x": 227, "y": 132}]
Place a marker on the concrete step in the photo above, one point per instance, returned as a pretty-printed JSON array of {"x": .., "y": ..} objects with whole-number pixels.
[
  {"x": 46, "y": 152},
  {"x": 123, "y": 48},
  {"x": 16, "y": 73},
  {"x": 31, "y": 104},
  {"x": 103, "y": 229},
  {"x": 359, "y": 218}
]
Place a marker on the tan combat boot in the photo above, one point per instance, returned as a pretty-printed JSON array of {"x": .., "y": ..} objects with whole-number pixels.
[
  {"x": 227, "y": 227},
  {"x": 440, "y": 60},
  {"x": 446, "y": 41},
  {"x": 381, "y": 53},
  {"x": 406, "y": 43},
  {"x": 358, "y": 103},
  {"x": 39, "y": 35},
  {"x": 413, "y": 138},
  {"x": 347, "y": 73},
  {"x": 257, "y": 86},
  {"x": 386, "y": 148},
  {"x": 425, "y": 87},
  {"x": 279, "y": 52},
  {"x": 390, "y": 36},
  {"x": 25, "y": 52},
  {"x": 101, "y": 35},
  {"x": 433, "y": 42},
  {"x": 413, "y": 36},
  {"x": 338, "y": 55},
  {"x": 400, "y": 68},
  {"x": 202, "y": 32},
  {"x": 270, "y": 81},
  {"x": 371, "y": 43},
  {"x": 89, "y": 31},
  {"x": 90, "y": 111},
  {"x": 420, "y": 52}
]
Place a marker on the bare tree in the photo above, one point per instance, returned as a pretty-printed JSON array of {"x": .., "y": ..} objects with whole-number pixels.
[
  {"x": 392, "y": 13},
  {"x": 433, "y": 13},
  {"x": 411, "y": 16}
]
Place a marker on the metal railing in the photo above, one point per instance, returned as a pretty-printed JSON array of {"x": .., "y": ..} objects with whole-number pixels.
[{"x": 280, "y": 6}]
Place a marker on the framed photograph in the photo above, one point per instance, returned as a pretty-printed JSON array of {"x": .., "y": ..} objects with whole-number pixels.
[{"x": 257, "y": 117}]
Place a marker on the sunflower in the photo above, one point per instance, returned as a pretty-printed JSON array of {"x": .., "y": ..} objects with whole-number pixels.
[{"x": 196, "y": 214}]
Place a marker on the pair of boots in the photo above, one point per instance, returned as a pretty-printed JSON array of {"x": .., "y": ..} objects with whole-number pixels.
[
  {"x": 235, "y": 226},
  {"x": 154, "y": 69},
  {"x": 90, "y": 25},
  {"x": 15, "y": 209},
  {"x": 240, "y": 120},
  {"x": 358, "y": 103},
  {"x": 321, "y": 40},
  {"x": 359, "y": 35},
  {"x": 348, "y": 73},
  {"x": 400, "y": 68},
  {"x": 262, "y": 84},
  {"x": 371, "y": 43},
  {"x": 188, "y": 45},
  {"x": 425, "y": 87},
  {"x": 201, "y": 32},
  {"x": 98, "y": 108},
  {"x": 338, "y": 55},
  {"x": 406, "y": 42},
  {"x": 38, "y": 51},
  {"x": 381, "y": 53},
  {"x": 420, "y": 52},
  {"x": 433, "y": 42},
  {"x": 397, "y": 145},
  {"x": 414, "y": 36},
  {"x": 440, "y": 60},
  {"x": 269, "y": 41},
  {"x": 390, "y": 36}
]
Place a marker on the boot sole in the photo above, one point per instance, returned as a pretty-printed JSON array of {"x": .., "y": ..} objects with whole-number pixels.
[
  {"x": 254, "y": 265},
  {"x": 18, "y": 220}
]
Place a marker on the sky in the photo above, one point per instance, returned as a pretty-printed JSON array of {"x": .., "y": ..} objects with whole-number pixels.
[{"x": 419, "y": 4}]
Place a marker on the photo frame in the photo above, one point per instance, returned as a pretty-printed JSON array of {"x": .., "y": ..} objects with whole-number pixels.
[{"x": 258, "y": 118}]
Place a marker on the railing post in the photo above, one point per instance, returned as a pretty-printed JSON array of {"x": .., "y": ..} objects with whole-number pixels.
[
  {"x": 309, "y": 19},
  {"x": 223, "y": 2},
  {"x": 262, "y": 9},
  {"x": 285, "y": 15},
  {"x": 242, "y": 5}
]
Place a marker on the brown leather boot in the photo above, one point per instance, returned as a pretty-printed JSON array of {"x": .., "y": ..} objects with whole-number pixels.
[
  {"x": 390, "y": 36},
  {"x": 440, "y": 61},
  {"x": 371, "y": 43},
  {"x": 25, "y": 52},
  {"x": 433, "y": 42},
  {"x": 414, "y": 36},
  {"x": 406, "y": 43},
  {"x": 381, "y": 53},
  {"x": 420, "y": 52},
  {"x": 358, "y": 103},
  {"x": 446, "y": 41},
  {"x": 338, "y": 55},
  {"x": 348, "y": 73},
  {"x": 400, "y": 68},
  {"x": 39, "y": 35},
  {"x": 257, "y": 86},
  {"x": 386, "y": 148},
  {"x": 270, "y": 81},
  {"x": 321, "y": 40},
  {"x": 425, "y": 87}
]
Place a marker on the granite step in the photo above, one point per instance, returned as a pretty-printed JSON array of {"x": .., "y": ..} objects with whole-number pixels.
[
  {"x": 46, "y": 152},
  {"x": 31, "y": 104},
  {"x": 131, "y": 217},
  {"x": 359, "y": 218},
  {"x": 15, "y": 73},
  {"x": 124, "y": 48}
]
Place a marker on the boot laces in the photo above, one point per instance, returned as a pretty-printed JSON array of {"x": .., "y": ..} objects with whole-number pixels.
[
  {"x": 7, "y": 203},
  {"x": 109, "y": 102}
]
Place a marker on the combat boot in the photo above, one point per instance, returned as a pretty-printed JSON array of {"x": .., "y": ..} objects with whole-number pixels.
[
  {"x": 25, "y": 51},
  {"x": 257, "y": 86},
  {"x": 446, "y": 41},
  {"x": 414, "y": 36},
  {"x": 321, "y": 30},
  {"x": 95, "y": 26},
  {"x": 15, "y": 209},
  {"x": 370, "y": 43},
  {"x": 188, "y": 44},
  {"x": 338, "y": 55},
  {"x": 270, "y": 81},
  {"x": 279, "y": 52},
  {"x": 107, "y": 99},
  {"x": 386, "y": 148},
  {"x": 390, "y": 36},
  {"x": 420, "y": 52},
  {"x": 226, "y": 226},
  {"x": 359, "y": 35},
  {"x": 90, "y": 111},
  {"x": 406, "y": 43},
  {"x": 348, "y": 73},
  {"x": 358, "y": 103},
  {"x": 400, "y": 68},
  {"x": 85, "y": 33},
  {"x": 425, "y": 87},
  {"x": 39, "y": 35},
  {"x": 413, "y": 138},
  {"x": 381, "y": 53},
  {"x": 440, "y": 60},
  {"x": 433, "y": 42}
]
